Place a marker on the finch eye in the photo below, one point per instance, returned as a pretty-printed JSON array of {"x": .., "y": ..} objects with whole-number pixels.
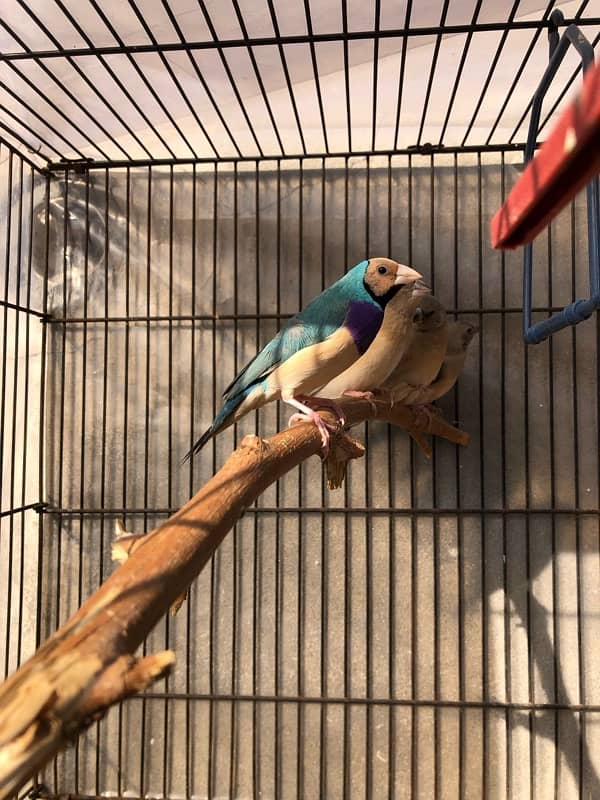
[{"x": 382, "y": 270}]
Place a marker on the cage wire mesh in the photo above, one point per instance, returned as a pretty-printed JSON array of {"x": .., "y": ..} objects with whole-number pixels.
[{"x": 177, "y": 179}]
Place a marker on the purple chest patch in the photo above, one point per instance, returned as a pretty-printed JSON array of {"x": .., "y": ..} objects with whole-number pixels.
[{"x": 363, "y": 320}]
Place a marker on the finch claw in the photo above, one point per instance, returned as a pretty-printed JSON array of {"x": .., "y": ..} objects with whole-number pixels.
[
  {"x": 362, "y": 396},
  {"x": 324, "y": 402},
  {"x": 307, "y": 414}
]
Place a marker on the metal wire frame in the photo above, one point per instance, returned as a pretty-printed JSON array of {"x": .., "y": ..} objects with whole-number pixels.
[
  {"x": 257, "y": 41},
  {"x": 433, "y": 505},
  {"x": 21, "y": 400},
  {"x": 181, "y": 147}
]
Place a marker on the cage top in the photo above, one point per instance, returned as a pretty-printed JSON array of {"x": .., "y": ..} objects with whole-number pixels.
[{"x": 181, "y": 81}]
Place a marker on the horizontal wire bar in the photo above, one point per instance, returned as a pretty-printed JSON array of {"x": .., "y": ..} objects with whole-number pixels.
[
  {"x": 363, "y": 510},
  {"x": 425, "y": 150},
  {"x": 500, "y": 705},
  {"x": 21, "y": 509},
  {"x": 314, "y": 38},
  {"x": 24, "y": 309},
  {"x": 237, "y": 317}
]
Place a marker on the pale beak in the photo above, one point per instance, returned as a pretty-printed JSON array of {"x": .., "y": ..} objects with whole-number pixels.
[
  {"x": 420, "y": 288},
  {"x": 405, "y": 274}
]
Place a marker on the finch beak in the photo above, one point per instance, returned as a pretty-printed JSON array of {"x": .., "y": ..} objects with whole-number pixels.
[
  {"x": 405, "y": 274},
  {"x": 420, "y": 288}
]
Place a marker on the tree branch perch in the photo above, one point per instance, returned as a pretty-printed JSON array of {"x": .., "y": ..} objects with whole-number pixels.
[{"x": 89, "y": 663}]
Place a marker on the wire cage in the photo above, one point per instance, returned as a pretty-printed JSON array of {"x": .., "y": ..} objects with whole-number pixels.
[{"x": 177, "y": 178}]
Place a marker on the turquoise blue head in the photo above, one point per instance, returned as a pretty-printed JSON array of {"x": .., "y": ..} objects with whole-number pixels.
[{"x": 383, "y": 277}]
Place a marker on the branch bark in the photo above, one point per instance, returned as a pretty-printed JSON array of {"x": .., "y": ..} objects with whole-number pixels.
[{"x": 88, "y": 664}]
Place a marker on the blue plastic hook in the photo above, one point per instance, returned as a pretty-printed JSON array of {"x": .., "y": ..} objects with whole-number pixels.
[{"x": 581, "y": 309}]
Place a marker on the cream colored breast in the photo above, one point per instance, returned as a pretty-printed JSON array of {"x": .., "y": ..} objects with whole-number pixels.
[{"x": 314, "y": 366}]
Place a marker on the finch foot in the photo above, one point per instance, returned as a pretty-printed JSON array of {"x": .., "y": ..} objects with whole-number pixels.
[
  {"x": 362, "y": 396},
  {"x": 323, "y": 402},
  {"x": 308, "y": 414},
  {"x": 313, "y": 416}
]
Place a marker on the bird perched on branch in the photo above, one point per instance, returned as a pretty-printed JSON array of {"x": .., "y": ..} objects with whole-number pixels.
[
  {"x": 460, "y": 336},
  {"x": 424, "y": 353},
  {"x": 373, "y": 368},
  {"x": 313, "y": 347}
]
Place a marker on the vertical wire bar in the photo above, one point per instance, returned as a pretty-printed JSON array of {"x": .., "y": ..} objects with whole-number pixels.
[
  {"x": 391, "y": 554},
  {"x": 63, "y": 403},
  {"x": 42, "y": 428},
  {"x": 482, "y": 519},
  {"x": 125, "y": 424},
  {"x": 528, "y": 578},
  {"x": 146, "y": 438},
  {"x": 597, "y": 409},
  {"x": 347, "y": 558},
  {"x": 414, "y": 780},
  {"x": 189, "y": 737},
  {"x": 255, "y": 595},
  {"x": 234, "y": 533},
  {"x": 582, "y": 744},
  {"x": 9, "y": 211},
  {"x": 460, "y": 531},
  {"x": 300, "y": 542},
  {"x": 13, "y": 449},
  {"x": 437, "y": 743},
  {"x": 347, "y": 73},
  {"x": 169, "y": 465},
  {"x": 505, "y": 549},
  {"x": 414, "y": 669},
  {"x": 555, "y": 608},
  {"x": 436, "y": 52},
  {"x": 26, "y": 396},
  {"x": 6, "y": 312},
  {"x": 323, "y": 771},
  {"x": 368, "y": 537},
  {"x": 192, "y": 372},
  {"x": 402, "y": 70},
  {"x": 315, "y": 69},
  {"x": 84, "y": 356},
  {"x": 103, "y": 470},
  {"x": 375, "y": 73},
  {"x": 62, "y": 395},
  {"x": 213, "y": 582},
  {"x": 277, "y": 731}
]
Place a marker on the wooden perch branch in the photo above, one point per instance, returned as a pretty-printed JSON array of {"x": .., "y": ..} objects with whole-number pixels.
[{"x": 88, "y": 664}]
